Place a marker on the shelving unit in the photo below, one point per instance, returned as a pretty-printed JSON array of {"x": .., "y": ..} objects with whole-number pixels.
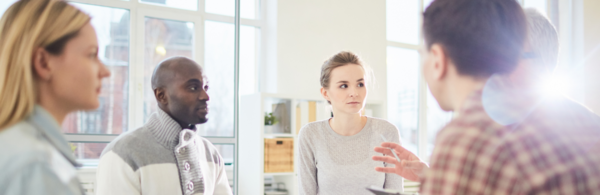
[{"x": 252, "y": 134}]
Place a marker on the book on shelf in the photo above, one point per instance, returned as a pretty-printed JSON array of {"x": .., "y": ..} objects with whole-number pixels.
[
  {"x": 311, "y": 111},
  {"x": 281, "y": 113}
]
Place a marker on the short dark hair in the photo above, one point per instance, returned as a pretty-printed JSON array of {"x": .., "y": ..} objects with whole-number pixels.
[{"x": 481, "y": 37}]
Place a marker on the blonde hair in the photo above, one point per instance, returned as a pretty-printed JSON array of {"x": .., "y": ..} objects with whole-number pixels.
[{"x": 26, "y": 26}]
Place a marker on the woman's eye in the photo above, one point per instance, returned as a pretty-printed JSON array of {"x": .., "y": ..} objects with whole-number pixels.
[
  {"x": 193, "y": 88},
  {"x": 361, "y": 85},
  {"x": 344, "y": 86}
]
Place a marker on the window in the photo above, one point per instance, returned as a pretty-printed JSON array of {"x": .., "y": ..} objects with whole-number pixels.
[
  {"x": 181, "y": 4},
  {"x": 112, "y": 28},
  {"x": 403, "y": 21},
  {"x": 219, "y": 53},
  {"x": 163, "y": 39},
  {"x": 410, "y": 108},
  {"x": 403, "y": 95},
  {"x": 5, "y": 4},
  {"x": 135, "y": 35},
  {"x": 540, "y": 5}
]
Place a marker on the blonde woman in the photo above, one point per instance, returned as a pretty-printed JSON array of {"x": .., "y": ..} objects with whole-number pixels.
[
  {"x": 49, "y": 67},
  {"x": 335, "y": 154}
]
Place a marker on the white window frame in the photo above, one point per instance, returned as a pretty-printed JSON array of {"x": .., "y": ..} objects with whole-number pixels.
[{"x": 138, "y": 11}]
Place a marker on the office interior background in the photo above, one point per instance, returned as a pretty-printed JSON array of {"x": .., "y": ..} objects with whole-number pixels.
[{"x": 282, "y": 45}]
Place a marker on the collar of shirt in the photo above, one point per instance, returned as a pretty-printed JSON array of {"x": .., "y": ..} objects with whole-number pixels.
[
  {"x": 164, "y": 128},
  {"x": 51, "y": 131}
]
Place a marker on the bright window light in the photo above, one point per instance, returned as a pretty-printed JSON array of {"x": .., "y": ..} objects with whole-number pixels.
[
  {"x": 540, "y": 5},
  {"x": 5, "y": 4},
  {"x": 555, "y": 85}
]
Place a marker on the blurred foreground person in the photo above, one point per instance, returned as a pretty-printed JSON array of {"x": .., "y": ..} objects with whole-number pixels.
[
  {"x": 505, "y": 138},
  {"x": 166, "y": 155},
  {"x": 49, "y": 67}
]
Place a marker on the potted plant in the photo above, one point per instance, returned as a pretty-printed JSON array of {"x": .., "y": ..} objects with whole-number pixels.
[{"x": 270, "y": 120}]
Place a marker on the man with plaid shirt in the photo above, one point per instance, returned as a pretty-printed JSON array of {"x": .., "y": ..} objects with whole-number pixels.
[{"x": 501, "y": 141}]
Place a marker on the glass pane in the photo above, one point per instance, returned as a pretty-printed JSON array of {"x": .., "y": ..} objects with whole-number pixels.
[
  {"x": 436, "y": 119},
  {"x": 227, "y": 152},
  {"x": 540, "y": 5},
  {"x": 426, "y": 3},
  {"x": 87, "y": 151},
  {"x": 163, "y": 39},
  {"x": 181, "y": 4},
  {"x": 248, "y": 9},
  {"x": 218, "y": 64},
  {"x": 4, "y": 4},
  {"x": 403, "y": 21},
  {"x": 248, "y": 59},
  {"x": 112, "y": 28},
  {"x": 403, "y": 94}
]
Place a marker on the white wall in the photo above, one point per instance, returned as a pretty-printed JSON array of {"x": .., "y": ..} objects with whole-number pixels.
[
  {"x": 591, "y": 36},
  {"x": 310, "y": 31}
]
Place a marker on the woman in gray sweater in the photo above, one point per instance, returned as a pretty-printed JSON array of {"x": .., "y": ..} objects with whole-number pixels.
[{"x": 335, "y": 154}]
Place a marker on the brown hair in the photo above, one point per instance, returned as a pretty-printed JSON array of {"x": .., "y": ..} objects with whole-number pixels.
[
  {"x": 340, "y": 59},
  {"x": 482, "y": 37},
  {"x": 25, "y": 26}
]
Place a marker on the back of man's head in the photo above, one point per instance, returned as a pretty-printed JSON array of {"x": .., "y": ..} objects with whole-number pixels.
[
  {"x": 542, "y": 41},
  {"x": 481, "y": 37}
]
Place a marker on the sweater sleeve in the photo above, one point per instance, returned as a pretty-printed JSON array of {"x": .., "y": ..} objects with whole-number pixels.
[
  {"x": 114, "y": 176},
  {"x": 392, "y": 180},
  {"x": 222, "y": 183},
  {"x": 308, "y": 169}
]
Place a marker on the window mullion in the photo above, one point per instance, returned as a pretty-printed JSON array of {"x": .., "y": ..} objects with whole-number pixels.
[{"x": 109, "y": 3}]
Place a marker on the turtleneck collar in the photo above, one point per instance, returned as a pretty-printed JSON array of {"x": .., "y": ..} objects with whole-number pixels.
[{"x": 164, "y": 128}]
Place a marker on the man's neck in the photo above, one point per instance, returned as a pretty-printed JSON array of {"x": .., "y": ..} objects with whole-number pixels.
[
  {"x": 182, "y": 124},
  {"x": 461, "y": 88}
]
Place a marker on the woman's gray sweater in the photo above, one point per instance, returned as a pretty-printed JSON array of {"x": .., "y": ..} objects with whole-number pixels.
[{"x": 334, "y": 164}]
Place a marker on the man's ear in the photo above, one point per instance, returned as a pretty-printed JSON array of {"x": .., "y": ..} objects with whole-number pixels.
[
  {"x": 161, "y": 96},
  {"x": 324, "y": 94},
  {"x": 440, "y": 61},
  {"x": 41, "y": 66}
]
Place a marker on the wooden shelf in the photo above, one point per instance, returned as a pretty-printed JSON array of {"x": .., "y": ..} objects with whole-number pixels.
[
  {"x": 281, "y": 174},
  {"x": 276, "y": 135}
]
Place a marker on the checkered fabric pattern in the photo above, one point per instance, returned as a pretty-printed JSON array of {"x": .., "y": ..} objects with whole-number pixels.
[{"x": 555, "y": 150}]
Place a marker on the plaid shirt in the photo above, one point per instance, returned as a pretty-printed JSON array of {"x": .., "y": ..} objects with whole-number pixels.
[{"x": 555, "y": 150}]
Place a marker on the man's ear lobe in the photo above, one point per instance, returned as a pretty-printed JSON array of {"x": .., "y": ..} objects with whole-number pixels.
[
  {"x": 161, "y": 96},
  {"x": 441, "y": 61},
  {"x": 40, "y": 64}
]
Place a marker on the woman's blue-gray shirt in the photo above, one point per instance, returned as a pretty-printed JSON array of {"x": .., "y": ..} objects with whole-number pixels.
[{"x": 35, "y": 158}]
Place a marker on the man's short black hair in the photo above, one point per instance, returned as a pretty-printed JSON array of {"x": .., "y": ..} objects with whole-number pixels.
[{"x": 481, "y": 37}]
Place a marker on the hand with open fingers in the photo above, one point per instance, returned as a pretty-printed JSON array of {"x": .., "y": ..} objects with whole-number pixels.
[{"x": 411, "y": 167}]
